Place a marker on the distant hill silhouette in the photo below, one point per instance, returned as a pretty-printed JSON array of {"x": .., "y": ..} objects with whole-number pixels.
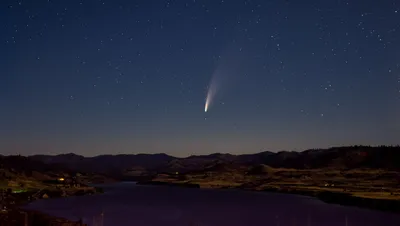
[
  {"x": 105, "y": 163},
  {"x": 27, "y": 164},
  {"x": 350, "y": 157}
]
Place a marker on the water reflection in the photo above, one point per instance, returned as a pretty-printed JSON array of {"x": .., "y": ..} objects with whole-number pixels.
[{"x": 129, "y": 204}]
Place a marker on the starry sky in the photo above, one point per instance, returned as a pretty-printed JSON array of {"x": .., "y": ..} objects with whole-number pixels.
[{"x": 117, "y": 76}]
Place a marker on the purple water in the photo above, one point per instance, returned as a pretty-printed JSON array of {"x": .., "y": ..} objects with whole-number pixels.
[{"x": 127, "y": 204}]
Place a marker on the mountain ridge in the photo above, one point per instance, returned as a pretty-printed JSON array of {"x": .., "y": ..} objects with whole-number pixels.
[{"x": 357, "y": 156}]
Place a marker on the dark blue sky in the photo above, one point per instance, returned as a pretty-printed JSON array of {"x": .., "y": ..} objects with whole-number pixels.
[{"x": 110, "y": 76}]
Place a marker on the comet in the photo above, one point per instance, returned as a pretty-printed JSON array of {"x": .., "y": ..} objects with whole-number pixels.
[
  {"x": 210, "y": 94},
  {"x": 226, "y": 72}
]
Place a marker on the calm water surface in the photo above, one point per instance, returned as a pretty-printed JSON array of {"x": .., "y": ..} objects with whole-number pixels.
[{"x": 127, "y": 204}]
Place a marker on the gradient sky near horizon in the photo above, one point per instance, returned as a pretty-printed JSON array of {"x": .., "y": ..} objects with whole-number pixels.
[{"x": 112, "y": 76}]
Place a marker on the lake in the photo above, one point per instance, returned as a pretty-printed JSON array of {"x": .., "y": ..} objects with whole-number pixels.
[{"x": 128, "y": 204}]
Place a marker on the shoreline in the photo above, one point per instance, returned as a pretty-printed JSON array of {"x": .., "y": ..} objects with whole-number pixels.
[
  {"x": 340, "y": 198},
  {"x": 20, "y": 214},
  {"x": 345, "y": 199}
]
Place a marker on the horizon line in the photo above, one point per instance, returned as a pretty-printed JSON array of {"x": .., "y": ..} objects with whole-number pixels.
[{"x": 199, "y": 155}]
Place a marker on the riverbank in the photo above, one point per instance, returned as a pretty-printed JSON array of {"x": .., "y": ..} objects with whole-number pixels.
[
  {"x": 378, "y": 194},
  {"x": 346, "y": 199},
  {"x": 14, "y": 211}
]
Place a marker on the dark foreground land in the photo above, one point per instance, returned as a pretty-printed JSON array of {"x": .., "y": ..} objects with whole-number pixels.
[
  {"x": 18, "y": 217},
  {"x": 23, "y": 181},
  {"x": 362, "y": 176},
  {"x": 13, "y": 212}
]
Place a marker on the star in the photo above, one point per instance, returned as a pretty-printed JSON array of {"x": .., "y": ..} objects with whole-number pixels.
[{"x": 149, "y": 64}]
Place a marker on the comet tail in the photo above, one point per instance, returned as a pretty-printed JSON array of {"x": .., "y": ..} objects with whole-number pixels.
[{"x": 210, "y": 96}]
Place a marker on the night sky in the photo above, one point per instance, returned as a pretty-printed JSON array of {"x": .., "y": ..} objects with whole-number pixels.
[{"x": 110, "y": 76}]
